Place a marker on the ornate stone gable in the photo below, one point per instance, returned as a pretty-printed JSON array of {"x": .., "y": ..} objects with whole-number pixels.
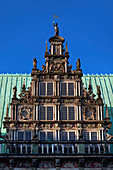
[{"x": 56, "y": 113}]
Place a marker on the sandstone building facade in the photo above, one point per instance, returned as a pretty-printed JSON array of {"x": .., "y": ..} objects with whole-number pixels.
[{"x": 57, "y": 122}]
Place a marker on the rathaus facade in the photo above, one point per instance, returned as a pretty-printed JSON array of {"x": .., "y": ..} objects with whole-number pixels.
[{"x": 57, "y": 122}]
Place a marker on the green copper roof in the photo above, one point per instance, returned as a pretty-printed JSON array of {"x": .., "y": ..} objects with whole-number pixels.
[{"x": 8, "y": 81}]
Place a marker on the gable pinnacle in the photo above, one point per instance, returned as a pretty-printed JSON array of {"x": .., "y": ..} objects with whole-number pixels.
[
  {"x": 23, "y": 87},
  {"x": 66, "y": 49},
  {"x": 46, "y": 52},
  {"x": 90, "y": 87}
]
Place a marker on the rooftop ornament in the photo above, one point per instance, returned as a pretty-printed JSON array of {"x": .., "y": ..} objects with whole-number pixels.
[
  {"x": 56, "y": 29},
  {"x": 78, "y": 64},
  {"x": 35, "y": 63},
  {"x": 14, "y": 92}
]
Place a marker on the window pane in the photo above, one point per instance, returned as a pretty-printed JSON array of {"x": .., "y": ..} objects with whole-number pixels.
[
  {"x": 49, "y": 113},
  {"x": 20, "y": 135},
  {"x": 50, "y": 89},
  {"x": 64, "y": 113},
  {"x": 71, "y": 135},
  {"x": 49, "y": 135},
  {"x": 43, "y": 89},
  {"x": 42, "y": 136},
  {"x": 42, "y": 113},
  {"x": 71, "y": 113},
  {"x": 86, "y": 135},
  {"x": 64, "y": 135},
  {"x": 63, "y": 89},
  {"x": 27, "y": 136},
  {"x": 71, "y": 89},
  {"x": 93, "y": 135}
]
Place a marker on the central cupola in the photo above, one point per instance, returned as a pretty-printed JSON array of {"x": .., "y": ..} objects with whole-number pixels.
[{"x": 56, "y": 57}]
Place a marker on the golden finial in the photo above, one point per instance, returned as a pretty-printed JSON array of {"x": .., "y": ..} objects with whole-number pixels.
[
  {"x": 66, "y": 48},
  {"x": 46, "y": 52}
]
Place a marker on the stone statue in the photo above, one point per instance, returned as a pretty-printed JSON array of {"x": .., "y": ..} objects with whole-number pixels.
[
  {"x": 78, "y": 64},
  {"x": 14, "y": 92},
  {"x": 56, "y": 28},
  {"x": 35, "y": 63}
]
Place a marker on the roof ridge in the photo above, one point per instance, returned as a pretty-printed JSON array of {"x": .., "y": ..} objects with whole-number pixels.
[
  {"x": 29, "y": 75},
  {"x": 98, "y": 75}
]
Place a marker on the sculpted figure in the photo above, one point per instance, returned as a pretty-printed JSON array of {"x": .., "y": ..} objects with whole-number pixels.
[
  {"x": 14, "y": 92},
  {"x": 56, "y": 28},
  {"x": 35, "y": 63},
  {"x": 78, "y": 64}
]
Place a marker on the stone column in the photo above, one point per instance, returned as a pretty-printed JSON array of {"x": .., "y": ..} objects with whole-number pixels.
[{"x": 37, "y": 117}]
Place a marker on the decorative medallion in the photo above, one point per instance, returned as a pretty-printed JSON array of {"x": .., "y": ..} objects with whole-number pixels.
[{"x": 25, "y": 112}]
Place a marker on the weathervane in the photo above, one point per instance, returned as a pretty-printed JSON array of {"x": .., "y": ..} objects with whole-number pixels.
[{"x": 56, "y": 26}]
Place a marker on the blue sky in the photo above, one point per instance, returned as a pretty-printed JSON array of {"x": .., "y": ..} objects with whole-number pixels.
[{"x": 87, "y": 26}]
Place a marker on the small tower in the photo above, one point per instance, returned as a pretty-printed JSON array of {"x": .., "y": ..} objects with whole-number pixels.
[{"x": 56, "y": 60}]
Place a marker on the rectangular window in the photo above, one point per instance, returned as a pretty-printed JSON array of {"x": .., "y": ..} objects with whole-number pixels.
[
  {"x": 67, "y": 89},
  {"x": 71, "y": 113},
  {"x": 49, "y": 113},
  {"x": 86, "y": 135},
  {"x": 20, "y": 135},
  {"x": 49, "y": 89},
  {"x": 46, "y": 112},
  {"x": 67, "y": 113},
  {"x": 49, "y": 136},
  {"x": 71, "y": 89},
  {"x": 43, "y": 89},
  {"x": 42, "y": 136},
  {"x": 46, "y": 89},
  {"x": 72, "y": 136},
  {"x": 64, "y": 113},
  {"x": 27, "y": 136},
  {"x": 94, "y": 136},
  {"x": 63, "y": 89},
  {"x": 64, "y": 136},
  {"x": 42, "y": 113}
]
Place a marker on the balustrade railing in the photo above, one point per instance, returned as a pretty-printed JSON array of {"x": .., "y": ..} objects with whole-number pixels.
[{"x": 56, "y": 147}]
